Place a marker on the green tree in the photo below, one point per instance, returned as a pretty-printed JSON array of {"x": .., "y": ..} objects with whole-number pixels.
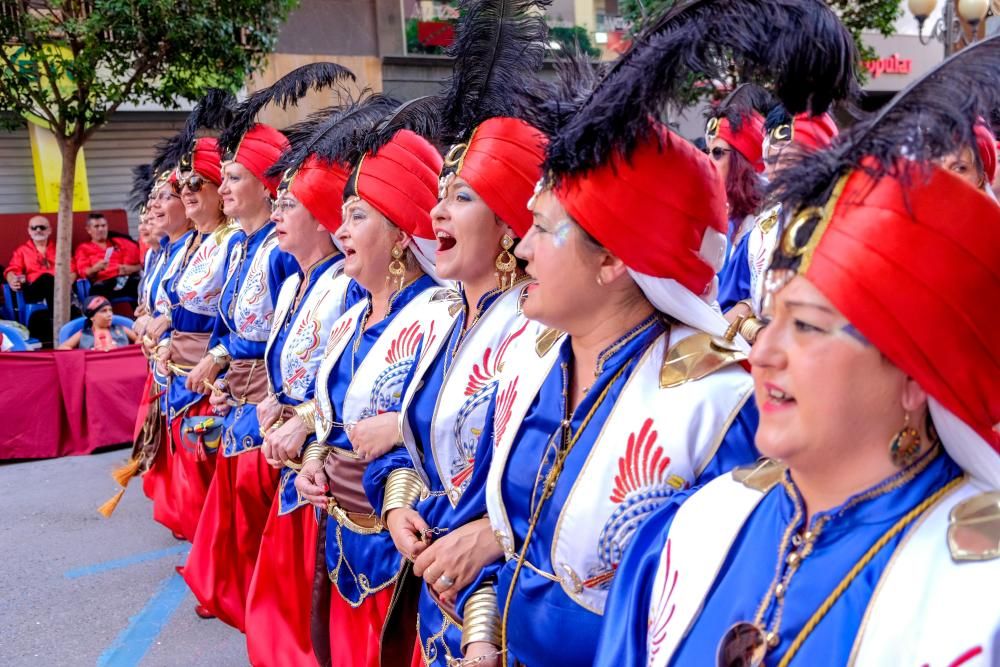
[
  {"x": 858, "y": 16},
  {"x": 72, "y": 63}
]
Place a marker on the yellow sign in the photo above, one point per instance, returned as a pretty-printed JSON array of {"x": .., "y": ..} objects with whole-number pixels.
[
  {"x": 45, "y": 154},
  {"x": 47, "y": 159}
]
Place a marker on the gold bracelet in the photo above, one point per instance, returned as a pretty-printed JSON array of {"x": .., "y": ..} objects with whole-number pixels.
[
  {"x": 307, "y": 413},
  {"x": 403, "y": 488},
  {"x": 220, "y": 355},
  {"x": 750, "y": 327},
  {"x": 315, "y": 452},
  {"x": 481, "y": 617}
]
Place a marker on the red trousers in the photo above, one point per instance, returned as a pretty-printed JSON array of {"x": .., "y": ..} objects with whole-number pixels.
[
  {"x": 280, "y": 599},
  {"x": 226, "y": 543},
  {"x": 191, "y": 473},
  {"x": 356, "y": 633}
]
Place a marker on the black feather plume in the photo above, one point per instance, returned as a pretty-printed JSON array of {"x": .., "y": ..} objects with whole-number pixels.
[
  {"x": 550, "y": 104},
  {"x": 331, "y": 133},
  {"x": 143, "y": 178},
  {"x": 283, "y": 93},
  {"x": 798, "y": 45},
  {"x": 745, "y": 100},
  {"x": 932, "y": 117},
  {"x": 498, "y": 49},
  {"x": 212, "y": 112},
  {"x": 422, "y": 116}
]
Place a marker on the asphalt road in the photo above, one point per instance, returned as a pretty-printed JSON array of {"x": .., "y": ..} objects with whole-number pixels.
[{"x": 79, "y": 589}]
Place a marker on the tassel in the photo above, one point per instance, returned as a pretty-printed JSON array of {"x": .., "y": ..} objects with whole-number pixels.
[
  {"x": 108, "y": 508},
  {"x": 123, "y": 474}
]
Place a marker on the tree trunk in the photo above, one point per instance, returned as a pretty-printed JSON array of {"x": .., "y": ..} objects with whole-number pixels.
[{"x": 64, "y": 237}]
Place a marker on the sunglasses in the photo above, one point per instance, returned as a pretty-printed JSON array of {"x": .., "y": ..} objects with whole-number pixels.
[
  {"x": 194, "y": 183},
  {"x": 719, "y": 152},
  {"x": 38, "y": 228}
]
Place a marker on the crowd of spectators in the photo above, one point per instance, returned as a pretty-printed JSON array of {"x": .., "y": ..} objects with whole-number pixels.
[{"x": 109, "y": 264}]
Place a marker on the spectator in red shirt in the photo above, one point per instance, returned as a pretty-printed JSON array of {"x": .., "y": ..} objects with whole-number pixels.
[
  {"x": 32, "y": 270},
  {"x": 110, "y": 264}
]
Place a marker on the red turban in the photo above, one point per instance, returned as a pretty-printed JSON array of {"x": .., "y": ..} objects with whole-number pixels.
[
  {"x": 205, "y": 160},
  {"x": 320, "y": 187},
  {"x": 260, "y": 148},
  {"x": 652, "y": 211},
  {"x": 401, "y": 181},
  {"x": 917, "y": 271},
  {"x": 502, "y": 163},
  {"x": 748, "y": 141},
  {"x": 986, "y": 144}
]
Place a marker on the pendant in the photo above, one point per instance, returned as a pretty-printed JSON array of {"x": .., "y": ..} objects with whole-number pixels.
[{"x": 743, "y": 645}]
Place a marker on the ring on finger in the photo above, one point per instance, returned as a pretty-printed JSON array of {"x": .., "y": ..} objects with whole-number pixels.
[{"x": 444, "y": 582}]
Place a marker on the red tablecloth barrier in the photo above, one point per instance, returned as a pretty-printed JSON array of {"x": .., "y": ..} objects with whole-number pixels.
[{"x": 68, "y": 402}]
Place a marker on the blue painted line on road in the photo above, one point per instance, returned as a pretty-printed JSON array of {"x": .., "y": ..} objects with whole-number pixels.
[
  {"x": 132, "y": 644},
  {"x": 127, "y": 561}
]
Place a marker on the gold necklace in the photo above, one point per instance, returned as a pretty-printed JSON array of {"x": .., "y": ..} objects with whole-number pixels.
[{"x": 749, "y": 642}]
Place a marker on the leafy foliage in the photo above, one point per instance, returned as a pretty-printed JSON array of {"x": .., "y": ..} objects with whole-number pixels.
[
  {"x": 73, "y": 62},
  {"x": 857, "y": 15}
]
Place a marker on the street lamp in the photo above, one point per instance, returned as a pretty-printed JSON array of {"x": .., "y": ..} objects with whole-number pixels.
[{"x": 948, "y": 28}]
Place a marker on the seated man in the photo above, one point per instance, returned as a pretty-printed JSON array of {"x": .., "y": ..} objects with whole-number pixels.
[
  {"x": 110, "y": 264},
  {"x": 32, "y": 270}
]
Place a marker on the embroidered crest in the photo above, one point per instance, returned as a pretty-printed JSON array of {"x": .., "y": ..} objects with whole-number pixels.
[
  {"x": 387, "y": 390},
  {"x": 640, "y": 487},
  {"x": 504, "y": 407},
  {"x": 471, "y": 416}
]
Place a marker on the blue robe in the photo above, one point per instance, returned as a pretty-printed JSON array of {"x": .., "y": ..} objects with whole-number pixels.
[
  {"x": 544, "y": 625},
  {"x": 749, "y": 569},
  {"x": 436, "y": 510},
  {"x": 734, "y": 278},
  {"x": 288, "y": 495},
  {"x": 370, "y": 557},
  {"x": 240, "y": 424}
]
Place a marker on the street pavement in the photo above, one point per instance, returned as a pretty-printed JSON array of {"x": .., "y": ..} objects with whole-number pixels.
[{"x": 79, "y": 589}]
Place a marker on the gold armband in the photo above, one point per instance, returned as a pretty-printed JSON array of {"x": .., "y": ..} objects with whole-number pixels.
[
  {"x": 220, "y": 355},
  {"x": 750, "y": 327},
  {"x": 315, "y": 452},
  {"x": 481, "y": 620},
  {"x": 403, "y": 488},
  {"x": 307, "y": 413}
]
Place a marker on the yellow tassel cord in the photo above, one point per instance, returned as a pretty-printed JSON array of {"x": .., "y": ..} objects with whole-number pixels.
[
  {"x": 108, "y": 508},
  {"x": 123, "y": 474}
]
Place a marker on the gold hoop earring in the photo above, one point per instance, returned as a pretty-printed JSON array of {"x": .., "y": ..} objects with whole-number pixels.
[
  {"x": 397, "y": 268},
  {"x": 506, "y": 264},
  {"x": 905, "y": 447}
]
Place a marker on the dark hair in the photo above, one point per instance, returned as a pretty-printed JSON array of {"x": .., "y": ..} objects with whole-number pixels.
[
  {"x": 95, "y": 216},
  {"x": 743, "y": 187}
]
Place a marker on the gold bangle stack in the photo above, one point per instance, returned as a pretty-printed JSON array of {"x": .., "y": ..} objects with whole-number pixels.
[
  {"x": 750, "y": 327},
  {"x": 481, "y": 618},
  {"x": 220, "y": 355},
  {"x": 403, "y": 488},
  {"x": 315, "y": 452},
  {"x": 307, "y": 413}
]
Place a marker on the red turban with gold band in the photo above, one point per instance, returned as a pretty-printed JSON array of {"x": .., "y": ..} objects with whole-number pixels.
[
  {"x": 748, "y": 140},
  {"x": 502, "y": 162},
  {"x": 653, "y": 210},
  {"x": 401, "y": 181},
  {"x": 205, "y": 160},
  {"x": 809, "y": 132},
  {"x": 320, "y": 186},
  {"x": 260, "y": 148},
  {"x": 916, "y": 270}
]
